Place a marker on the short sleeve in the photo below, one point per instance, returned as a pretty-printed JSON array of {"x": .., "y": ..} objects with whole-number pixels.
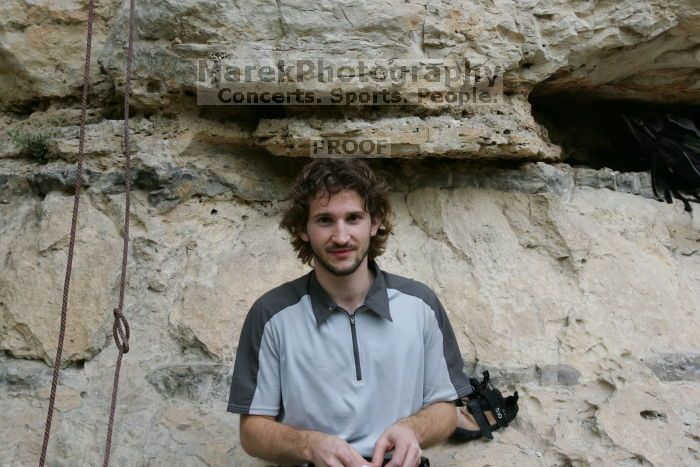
[
  {"x": 444, "y": 378},
  {"x": 255, "y": 385}
]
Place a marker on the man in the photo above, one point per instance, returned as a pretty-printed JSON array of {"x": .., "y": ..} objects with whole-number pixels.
[{"x": 347, "y": 363}]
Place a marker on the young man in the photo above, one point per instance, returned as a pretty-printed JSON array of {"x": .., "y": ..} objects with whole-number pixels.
[{"x": 347, "y": 363}]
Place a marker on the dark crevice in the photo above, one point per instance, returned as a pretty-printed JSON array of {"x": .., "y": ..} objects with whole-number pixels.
[
  {"x": 198, "y": 382},
  {"x": 249, "y": 116},
  {"x": 591, "y": 131},
  {"x": 246, "y": 116},
  {"x": 28, "y": 107}
]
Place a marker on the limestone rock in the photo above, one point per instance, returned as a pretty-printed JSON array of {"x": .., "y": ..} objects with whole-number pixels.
[
  {"x": 217, "y": 291},
  {"x": 34, "y": 246},
  {"x": 193, "y": 383},
  {"x": 43, "y": 50},
  {"x": 568, "y": 283},
  {"x": 675, "y": 367},
  {"x": 656, "y": 416},
  {"x": 485, "y": 136},
  {"x": 576, "y": 361},
  {"x": 101, "y": 139}
]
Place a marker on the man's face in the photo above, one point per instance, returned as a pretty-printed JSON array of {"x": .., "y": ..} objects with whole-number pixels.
[{"x": 339, "y": 232}]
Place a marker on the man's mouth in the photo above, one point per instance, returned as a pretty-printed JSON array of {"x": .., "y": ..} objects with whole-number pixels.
[{"x": 341, "y": 252}]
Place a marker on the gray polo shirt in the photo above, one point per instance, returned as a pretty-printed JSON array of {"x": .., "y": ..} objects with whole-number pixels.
[{"x": 304, "y": 360}]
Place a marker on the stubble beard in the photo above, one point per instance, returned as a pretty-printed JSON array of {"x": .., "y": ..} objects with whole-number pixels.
[{"x": 318, "y": 259}]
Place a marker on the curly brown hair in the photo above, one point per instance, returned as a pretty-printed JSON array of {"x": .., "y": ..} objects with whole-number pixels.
[{"x": 328, "y": 177}]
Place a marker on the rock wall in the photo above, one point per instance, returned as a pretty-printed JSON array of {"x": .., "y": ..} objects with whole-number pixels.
[{"x": 570, "y": 284}]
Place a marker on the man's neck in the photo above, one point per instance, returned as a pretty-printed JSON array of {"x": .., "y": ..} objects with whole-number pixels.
[{"x": 347, "y": 291}]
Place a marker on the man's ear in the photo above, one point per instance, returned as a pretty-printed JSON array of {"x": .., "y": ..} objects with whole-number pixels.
[
  {"x": 376, "y": 222},
  {"x": 303, "y": 235}
]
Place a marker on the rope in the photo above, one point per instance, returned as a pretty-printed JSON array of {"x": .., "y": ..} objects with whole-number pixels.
[
  {"x": 120, "y": 329},
  {"x": 71, "y": 243},
  {"x": 121, "y": 326}
]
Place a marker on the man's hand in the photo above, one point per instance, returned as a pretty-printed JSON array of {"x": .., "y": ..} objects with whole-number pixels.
[
  {"x": 267, "y": 439},
  {"x": 404, "y": 441},
  {"x": 331, "y": 451}
]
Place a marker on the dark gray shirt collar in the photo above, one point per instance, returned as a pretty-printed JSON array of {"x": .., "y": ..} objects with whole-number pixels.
[{"x": 377, "y": 298}]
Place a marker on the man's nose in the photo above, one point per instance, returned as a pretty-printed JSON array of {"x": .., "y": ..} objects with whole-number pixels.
[{"x": 340, "y": 233}]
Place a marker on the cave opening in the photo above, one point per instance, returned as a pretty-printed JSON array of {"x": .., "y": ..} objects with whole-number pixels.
[{"x": 590, "y": 129}]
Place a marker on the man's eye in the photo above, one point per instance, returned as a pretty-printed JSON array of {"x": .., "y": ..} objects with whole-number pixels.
[
  {"x": 354, "y": 218},
  {"x": 323, "y": 220}
]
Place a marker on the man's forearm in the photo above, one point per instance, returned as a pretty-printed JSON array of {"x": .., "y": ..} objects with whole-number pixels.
[
  {"x": 433, "y": 424},
  {"x": 275, "y": 442}
]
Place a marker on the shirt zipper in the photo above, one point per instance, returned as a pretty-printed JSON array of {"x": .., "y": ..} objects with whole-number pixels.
[{"x": 356, "y": 352}]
